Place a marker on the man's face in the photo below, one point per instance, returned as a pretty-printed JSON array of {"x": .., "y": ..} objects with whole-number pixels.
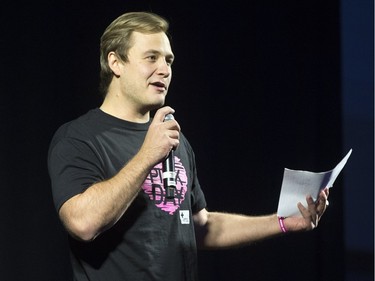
[{"x": 147, "y": 74}]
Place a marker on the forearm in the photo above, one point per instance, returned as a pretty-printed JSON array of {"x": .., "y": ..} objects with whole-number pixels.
[
  {"x": 230, "y": 230},
  {"x": 221, "y": 230},
  {"x": 88, "y": 214}
]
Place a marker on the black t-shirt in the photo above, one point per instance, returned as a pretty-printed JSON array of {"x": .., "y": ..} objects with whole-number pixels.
[{"x": 154, "y": 239}]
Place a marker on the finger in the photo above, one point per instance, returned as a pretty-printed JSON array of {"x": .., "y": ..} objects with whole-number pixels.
[
  {"x": 322, "y": 202},
  {"x": 311, "y": 204},
  {"x": 162, "y": 112},
  {"x": 304, "y": 211},
  {"x": 326, "y": 192},
  {"x": 323, "y": 196},
  {"x": 313, "y": 210},
  {"x": 310, "y": 219},
  {"x": 309, "y": 200},
  {"x": 175, "y": 138}
]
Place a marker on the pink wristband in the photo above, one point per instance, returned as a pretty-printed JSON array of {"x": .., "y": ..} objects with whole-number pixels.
[{"x": 281, "y": 223}]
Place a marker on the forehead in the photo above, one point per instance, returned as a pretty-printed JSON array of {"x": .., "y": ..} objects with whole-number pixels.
[{"x": 143, "y": 42}]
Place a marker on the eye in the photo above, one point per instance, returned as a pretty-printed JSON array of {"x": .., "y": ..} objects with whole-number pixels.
[
  {"x": 151, "y": 58},
  {"x": 169, "y": 61}
]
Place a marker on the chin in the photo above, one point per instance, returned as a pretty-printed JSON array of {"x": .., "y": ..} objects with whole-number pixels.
[
  {"x": 155, "y": 106},
  {"x": 160, "y": 103}
]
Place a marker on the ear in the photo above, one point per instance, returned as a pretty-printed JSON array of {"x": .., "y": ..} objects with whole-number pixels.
[{"x": 114, "y": 63}]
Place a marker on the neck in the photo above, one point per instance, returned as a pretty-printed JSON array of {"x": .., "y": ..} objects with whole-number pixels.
[{"x": 113, "y": 105}]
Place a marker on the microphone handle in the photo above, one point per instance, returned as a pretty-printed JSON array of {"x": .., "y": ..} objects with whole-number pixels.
[{"x": 169, "y": 174}]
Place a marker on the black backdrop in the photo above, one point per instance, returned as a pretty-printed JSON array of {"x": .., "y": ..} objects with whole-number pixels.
[{"x": 256, "y": 88}]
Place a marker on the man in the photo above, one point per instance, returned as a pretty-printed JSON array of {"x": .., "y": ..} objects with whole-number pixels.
[{"x": 107, "y": 176}]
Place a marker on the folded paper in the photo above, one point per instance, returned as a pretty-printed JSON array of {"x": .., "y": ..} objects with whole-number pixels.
[{"x": 298, "y": 184}]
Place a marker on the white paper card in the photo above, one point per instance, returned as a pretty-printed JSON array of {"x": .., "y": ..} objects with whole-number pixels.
[{"x": 297, "y": 185}]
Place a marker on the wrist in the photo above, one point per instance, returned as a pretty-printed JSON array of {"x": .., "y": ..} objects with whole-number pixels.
[{"x": 282, "y": 225}]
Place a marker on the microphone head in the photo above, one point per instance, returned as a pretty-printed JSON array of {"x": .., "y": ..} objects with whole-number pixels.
[{"x": 169, "y": 116}]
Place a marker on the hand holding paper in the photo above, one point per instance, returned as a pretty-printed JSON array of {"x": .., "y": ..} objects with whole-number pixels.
[{"x": 297, "y": 185}]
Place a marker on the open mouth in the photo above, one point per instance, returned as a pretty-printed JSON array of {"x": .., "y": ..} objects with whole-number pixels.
[{"x": 159, "y": 85}]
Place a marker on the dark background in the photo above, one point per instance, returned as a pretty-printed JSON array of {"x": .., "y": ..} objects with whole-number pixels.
[{"x": 257, "y": 87}]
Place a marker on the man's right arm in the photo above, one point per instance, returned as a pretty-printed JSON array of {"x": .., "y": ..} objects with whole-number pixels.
[{"x": 100, "y": 206}]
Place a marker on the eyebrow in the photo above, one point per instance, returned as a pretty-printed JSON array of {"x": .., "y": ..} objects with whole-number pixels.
[{"x": 169, "y": 55}]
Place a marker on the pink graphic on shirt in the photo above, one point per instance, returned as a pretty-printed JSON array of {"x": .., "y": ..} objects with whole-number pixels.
[{"x": 153, "y": 187}]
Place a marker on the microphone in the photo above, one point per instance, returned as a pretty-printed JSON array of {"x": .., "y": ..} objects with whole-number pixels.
[{"x": 169, "y": 174}]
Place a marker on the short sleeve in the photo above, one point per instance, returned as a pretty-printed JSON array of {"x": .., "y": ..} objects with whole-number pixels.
[{"x": 73, "y": 167}]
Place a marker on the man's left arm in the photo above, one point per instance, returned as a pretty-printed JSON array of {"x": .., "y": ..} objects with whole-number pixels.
[{"x": 224, "y": 230}]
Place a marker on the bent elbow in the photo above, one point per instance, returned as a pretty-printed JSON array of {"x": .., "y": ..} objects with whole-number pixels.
[
  {"x": 78, "y": 224},
  {"x": 82, "y": 231}
]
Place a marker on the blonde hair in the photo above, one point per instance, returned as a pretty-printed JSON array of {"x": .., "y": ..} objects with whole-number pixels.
[{"x": 117, "y": 38}]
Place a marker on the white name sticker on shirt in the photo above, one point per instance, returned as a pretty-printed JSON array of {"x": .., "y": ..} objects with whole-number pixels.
[{"x": 184, "y": 217}]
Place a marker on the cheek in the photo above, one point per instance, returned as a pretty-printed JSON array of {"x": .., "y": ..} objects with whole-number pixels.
[
  {"x": 144, "y": 70},
  {"x": 148, "y": 72}
]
